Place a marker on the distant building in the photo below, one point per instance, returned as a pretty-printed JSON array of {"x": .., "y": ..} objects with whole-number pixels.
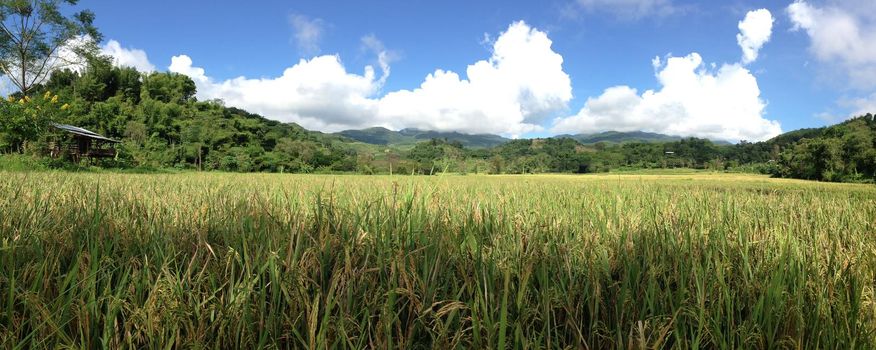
[{"x": 78, "y": 143}]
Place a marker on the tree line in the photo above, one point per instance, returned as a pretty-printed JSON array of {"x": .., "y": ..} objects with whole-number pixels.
[{"x": 163, "y": 125}]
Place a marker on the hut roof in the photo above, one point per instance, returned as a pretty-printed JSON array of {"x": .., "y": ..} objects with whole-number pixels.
[{"x": 83, "y": 132}]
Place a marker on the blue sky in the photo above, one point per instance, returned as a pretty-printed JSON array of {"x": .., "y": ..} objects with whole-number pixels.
[{"x": 603, "y": 44}]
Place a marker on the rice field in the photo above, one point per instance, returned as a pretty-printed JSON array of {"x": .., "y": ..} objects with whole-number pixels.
[{"x": 349, "y": 262}]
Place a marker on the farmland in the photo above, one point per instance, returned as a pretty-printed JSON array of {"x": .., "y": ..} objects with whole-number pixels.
[{"x": 549, "y": 261}]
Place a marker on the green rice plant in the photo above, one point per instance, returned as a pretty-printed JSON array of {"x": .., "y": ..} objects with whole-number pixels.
[{"x": 557, "y": 261}]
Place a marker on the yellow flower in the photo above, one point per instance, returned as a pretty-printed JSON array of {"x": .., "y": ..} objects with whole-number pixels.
[
  {"x": 21, "y": 101},
  {"x": 55, "y": 99},
  {"x": 10, "y": 98},
  {"x": 47, "y": 95},
  {"x": 65, "y": 106},
  {"x": 27, "y": 98}
]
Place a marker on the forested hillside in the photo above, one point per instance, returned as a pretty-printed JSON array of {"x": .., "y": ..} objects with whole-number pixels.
[
  {"x": 621, "y": 137},
  {"x": 162, "y": 125},
  {"x": 844, "y": 152},
  {"x": 409, "y": 137}
]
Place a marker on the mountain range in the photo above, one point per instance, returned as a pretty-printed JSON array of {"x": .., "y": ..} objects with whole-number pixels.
[
  {"x": 620, "y": 137},
  {"x": 410, "y": 136}
]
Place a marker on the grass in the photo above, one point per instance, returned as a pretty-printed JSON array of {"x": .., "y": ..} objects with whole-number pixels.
[
  {"x": 18, "y": 162},
  {"x": 307, "y": 261}
]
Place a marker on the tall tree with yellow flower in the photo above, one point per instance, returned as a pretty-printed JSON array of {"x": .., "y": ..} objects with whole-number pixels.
[
  {"x": 25, "y": 119},
  {"x": 37, "y": 38}
]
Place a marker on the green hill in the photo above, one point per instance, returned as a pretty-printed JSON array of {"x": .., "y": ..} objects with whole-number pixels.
[
  {"x": 620, "y": 137},
  {"x": 411, "y": 136},
  {"x": 162, "y": 125}
]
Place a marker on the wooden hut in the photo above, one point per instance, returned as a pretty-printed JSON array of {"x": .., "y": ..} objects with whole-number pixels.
[{"x": 79, "y": 143}]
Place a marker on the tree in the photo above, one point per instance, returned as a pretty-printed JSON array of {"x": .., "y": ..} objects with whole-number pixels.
[
  {"x": 168, "y": 87},
  {"x": 36, "y": 38},
  {"x": 365, "y": 163},
  {"x": 813, "y": 159},
  {"x": 497, "y": 164},
  {"x": 129, "y": 84},
  {"x": 25, "y": 119},
  {"x": 99, "y": 81}
]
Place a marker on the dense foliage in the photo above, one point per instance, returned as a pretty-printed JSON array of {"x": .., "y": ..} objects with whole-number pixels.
[
  {"x": 843, "y": 152},
  {"x": 162, "y": 125}
]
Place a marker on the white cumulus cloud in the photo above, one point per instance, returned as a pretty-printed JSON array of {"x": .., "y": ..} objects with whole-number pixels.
[
  {"x": 127, "y": 57},
  {"x": 754, "y": 31},
  {"x": 842, "y": 34},
  {"x": 511, "y": 93},
  {"x": 318, "y": 93},
  {"x": 722, "y": 104}
]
